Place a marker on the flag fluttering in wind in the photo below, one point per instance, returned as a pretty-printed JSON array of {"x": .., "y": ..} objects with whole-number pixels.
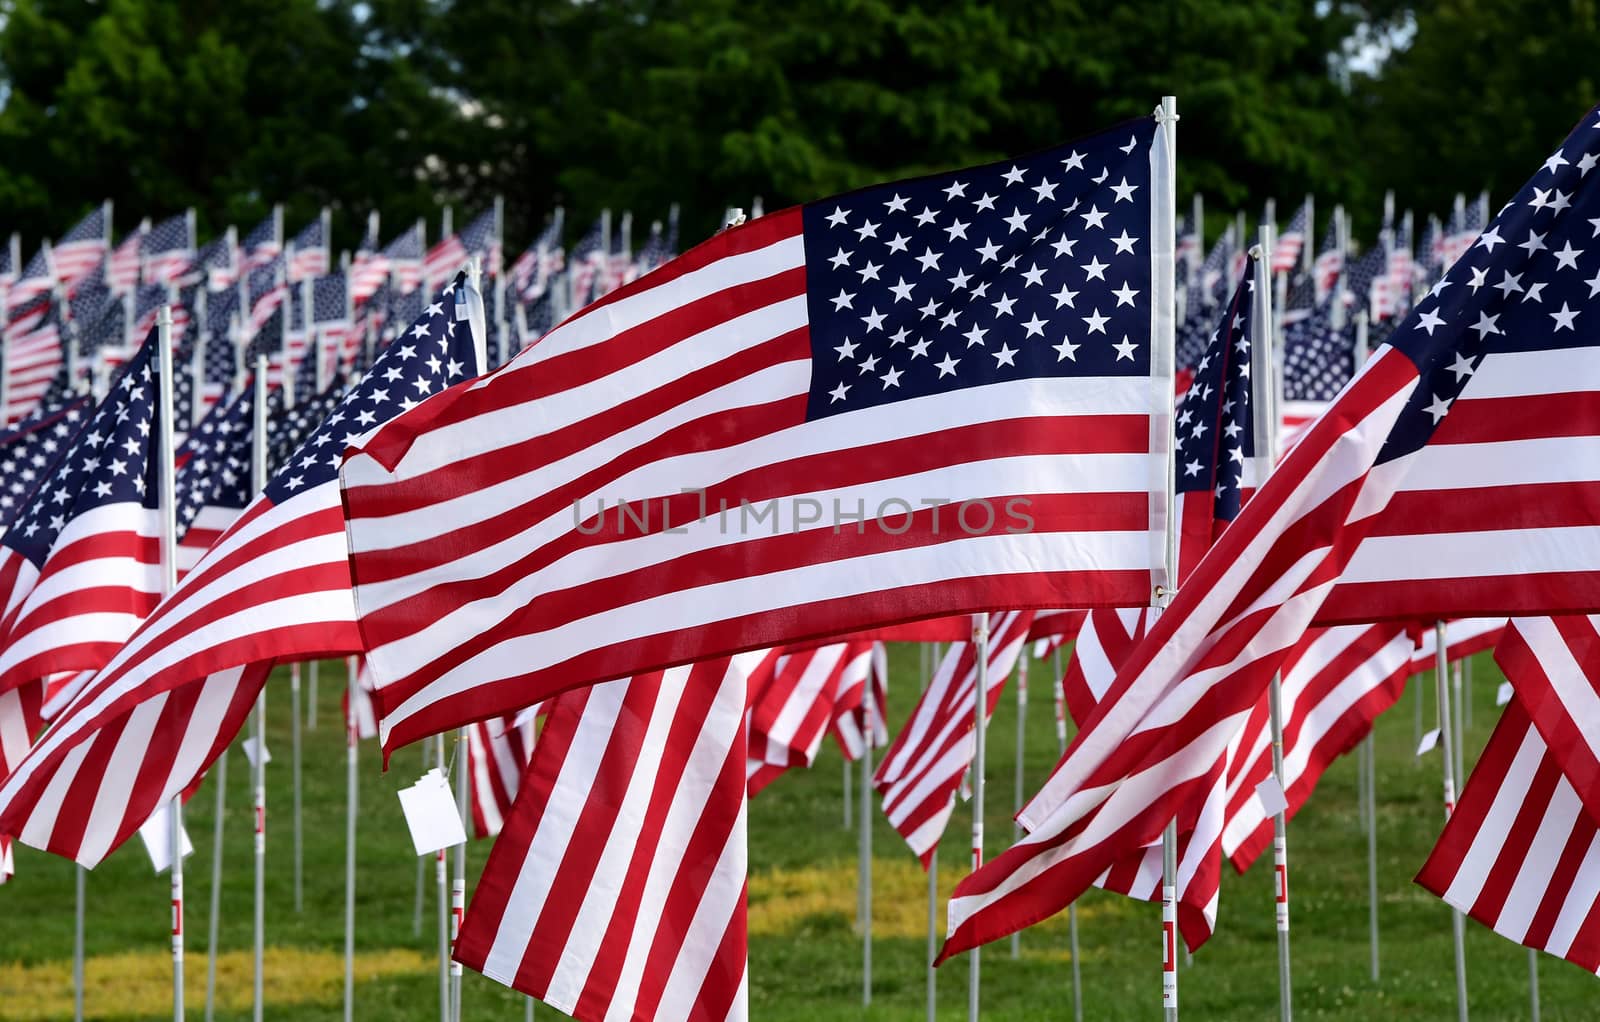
[
  {"x": 1409, "y": 499},
  {"x": 275, "y": 585},
  {"x": 981, "y": 338}
]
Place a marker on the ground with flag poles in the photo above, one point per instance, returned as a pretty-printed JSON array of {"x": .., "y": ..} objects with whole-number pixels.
[{"x": 804, "y": 954}]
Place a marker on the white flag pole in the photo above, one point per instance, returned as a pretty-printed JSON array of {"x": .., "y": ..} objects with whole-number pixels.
[
  {"x": 165, "y": 463},
  {"x": 442, "y": 895},
  {"x": 352, "y": 735},
  {"x": 849, "y": 818},
  {"x": 220, "y": 776},
  {"x": 1072, "y": 908},
  {"x": 77, "y": 947},
  {"x": 1442, "y": 682},
  {"x": 1022, "y": 726},
  {"x": 258, "y": 769},
  {"x": 1262, "y": 356},
  {"x": 930, "y": 656},
  {"x": 1164, "y": 217},
  {"x": 294, "y": 771},
  {"x": 311, "y": 667},
  {"x": 865, "y": 843},
  {"x": 1460, "y": 728},
  {"x": 980, "y": 724},
  {"x": 1371, "y": 781},
  {"x": 1533, "y": 984}
]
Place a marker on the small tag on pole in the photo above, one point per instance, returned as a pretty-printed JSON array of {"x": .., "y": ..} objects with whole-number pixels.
[
  {"x": 431, "y": 814},
  {"x": 1169, "y": 950},
  {"x": 1273, "y": 800},
  {"x": 156, "y": 833},
  {"x": 1429, "y": 740},
  {"x": 1502, "y": 695},
  {"x": 250, "y": 745}
]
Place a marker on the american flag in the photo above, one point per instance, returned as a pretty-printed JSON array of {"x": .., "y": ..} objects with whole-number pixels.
[
  {"x": 370, "y": 267},
  {"x": 531, "y": 274},
  {"x": 29, "y": 452},
  {"x": 1286, "y": 255},
  {"x": 29, "y": 296},
  {"x": 1402, "y": 267},
  {"x": 122, "y": 267},
  {"x": 1364, "y": 520},
  {"x": 587, "y": 265},
  {"x": 34, "y": 356},
  {"x": 219, "y": 489},
  {"x": 215, "y": 265},
  {"x": 498, "y": 751},
  {"x": 1212, "y": 284},
  {"x": 80, "y": 249},
  {"x": 1188, "y": 251},
  {"x": 331, "y": 319},
  {"x": 450, "y": 255},
  {"x": 983, "y": 335},
  {"x": 856, "y": 722},
  {"x": 1329, "y": 264},
  {"x": 167, "y": 249},
  {"x": 795, "y": 705},
  {"x": 309, "y": 249},
  {"x": 20, "y": 720},
  {"x": 1463, "y": 638},
  {"x": 1518, "y": 852},
  {"x": 1318, "y": 361},
  {"x": 617, "y": 888},
  {"x": 1367, "y": 285},
  {"x": 265, "y": 290},
  {"x": 924, "y": 766},
  {"x": 402, "y": 259},
  {"x": 263, "y": 243},
  {"x": 275, "y": 585},
  {"x": 81, "y": 564},
  {"x": 1465, "y": 223}
]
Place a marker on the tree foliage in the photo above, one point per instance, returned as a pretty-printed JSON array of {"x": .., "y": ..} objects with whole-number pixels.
[{"x": 400, "y": 105}]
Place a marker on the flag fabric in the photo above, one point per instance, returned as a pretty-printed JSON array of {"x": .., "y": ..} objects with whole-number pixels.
[
  {"x": 263, "y": 243},
  {"x": 122, "y": 267},
  {"x": 797, "y": 706},
  {"x": 531, "y": 274},
  {"x": 1329, "y": 264},
  {"x": 28, "y": 297},
  {"x": 215, "y": 265},
  {"x": 1286, "y": 254},
  {"x": 498, "y": 751},
  {"x": 617, "y": 888},
  {"x": 34, "y": 356},
  {"x": 330, "y": 318},
  {"x": 448, "y": 257},
  {"x": 856, "y": 724},
  {"x": 1463, "y": 637},
  {"x": 166, "y": 251},
  {"x": 827, "y": 357},
  {"x": 275, "y": 585},
  {"x": 81, "y": 565},
  {"x": 1402, "y": 267},
  {"x": 923, "y": 768},
  {"x": 1187, "y": 254},
  {"x": 403, "y": 259},
  {"x": 310, "y": 256},
  {"x": 20, "y": 720},
  {"x": 80, "y": 250},
  {"x": 1213, "y": 276},
  {"x": 218, "y": 488},
  {"x": 29, "y": 453},
  {"x": 1521, "y": 850},
  {"x": 1462, "y": 231},
  {"x": 588, "y": 265},
  {"x": 1361, "y": 521}
]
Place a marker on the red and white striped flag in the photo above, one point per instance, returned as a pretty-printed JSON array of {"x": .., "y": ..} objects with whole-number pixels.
[
  {"x": 799, "y": 703},
  {"x": 1463, "y": 637},
  {"x": 1408, "y": 499},
  {"x": 275, "y": 585},
  {"x": 498, "y": 751},
  {"x": 922, "y": 771},
  {"x": 617, "y": 889},
  {"x": 855, "y": 723},
  {"x": 20, "y": 720},
  {"x": 1521, "y": 851},
  {"x": 779, "y": 369}
]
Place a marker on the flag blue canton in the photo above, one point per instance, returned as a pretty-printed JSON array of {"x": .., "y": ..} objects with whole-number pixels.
[
  {"x": 287, "y": 428},
  {"x": 1317, "y": 360},
  {"x": 478, "y": 236},
  {"x": 170, "y": 235},
  {"x": 216, "y": 461},
  {"x": 1530, "y": 282},
  {"x": 90, "y": 228},
  {"x": 1036, "y": 268},
  {"x": 434, "y": 352},
  {"x": 328, "y": 299},
  {"x": 1215, "y": 428},
  {"x": 408, "y": 245},
  {"x": 28, "y": 453},
  {"x": 109, "y": 463}
]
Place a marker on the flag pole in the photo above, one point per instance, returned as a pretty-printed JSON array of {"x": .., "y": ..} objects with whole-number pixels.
[
  {"x": 1372, "y": 848},
  {"x": 294, "y": 771},
  {"x": 849, "y": 818},
  {"x": 258, "y": 769},
  {"x": 1162, "y": 342},
  {"x": 865, "y": 843},
  {"x": 1022, "y": 724},
  {"x": 169, "y": 579},
  {"x": 311, "y": 667},
  {"x": 352, "y": 734},
  {"x": 980, "y": 722},
  {"x": 1533, "y": 984},
  {"x": 1072, "y": 908},
  {"x": 220, "y": 776},
  {"x": 1280, "y": 837},
  {"x": 929, "y": 652},
  {"x": 442, "y": 895},
  {"x": 1457, "y": 926}
]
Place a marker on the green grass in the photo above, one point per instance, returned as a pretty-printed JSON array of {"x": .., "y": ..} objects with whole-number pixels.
[{"x": 805, "y": 955}]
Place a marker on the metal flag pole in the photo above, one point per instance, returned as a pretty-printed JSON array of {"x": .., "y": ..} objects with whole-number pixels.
[
  {"x": 442, "y": 895},
  {"x": 1371, "y": 781},
  {"x": 1280, "y": 856},
  {"x": 258, "y": 769},
  {"x": 930, "y": 656},
  {"x": 849, "y": 818},
  {"x": 220, "y": 775},
  {"x": 1341, "y": 234},
  {"x": 294, "y": 772},
  {"x": 980, "y": 721},
  {"x": 1457, "y": 926},
  {"x": 416, "y": 906},
  {"x": 1072, "y": 908},
  {"x": 312, "y": 667},
  {"x": 1022, "y": 723},
  {"x": 168, "y": 503},
  {"x": 1533, "y": 984},
  {"x": 77, "y": 947},
  {"x": 1460, "y": 722},
  {"x": 864, "y": 826},
  {"x": 1466, "y": 688},
  {"x": 1162, "y": 342},
  {"x": 352, "y": 734}
]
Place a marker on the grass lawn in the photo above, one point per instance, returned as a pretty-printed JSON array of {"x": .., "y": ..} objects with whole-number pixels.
[{"x": 805, "y": 955}]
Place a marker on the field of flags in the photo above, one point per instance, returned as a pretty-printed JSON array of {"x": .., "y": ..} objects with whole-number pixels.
[{"x": 620, "y": 537}]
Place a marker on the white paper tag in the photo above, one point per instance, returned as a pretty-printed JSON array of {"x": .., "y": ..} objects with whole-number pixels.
[
  {"x": 156, "y": 832},
  {"x": 431, "y": 813},
  {"x": 1270, "y": 792},
  {"x": 1429, "y": 740},
  {"x": 249, "y": 747},
  {"x": 1503, "y": 694}
]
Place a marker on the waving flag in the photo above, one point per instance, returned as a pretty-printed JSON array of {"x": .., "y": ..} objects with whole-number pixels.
[
  {"x": 275, "y": 585},
  {"x": 1409, "y": 498},
  {"x": 796, "y": 707},
  {"x": 310, "y": 250},
  {"x": 122, "y": 267},
  {"x": 263, "y": 243},
  {"x": 167, "y": 249},
  {"x": 617, "y": 889},
  {"x": 447, "y": 258},
  {"x": 984, "y": 334},
  {"x": 80, "y": 250},
  {"x": 1329, "y": 265},
  {"x": 498, "y": 751},
  {"x": 1286, "y": 254}
]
